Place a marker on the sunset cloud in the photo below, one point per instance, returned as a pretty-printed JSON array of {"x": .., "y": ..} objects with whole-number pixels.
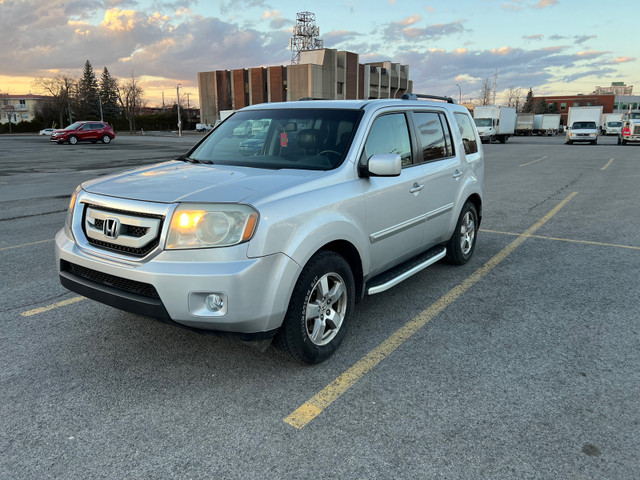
[{"x": 119, "y": 20}]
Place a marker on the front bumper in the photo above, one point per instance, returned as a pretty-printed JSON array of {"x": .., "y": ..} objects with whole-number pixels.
[{"x": 173, "y": 285}]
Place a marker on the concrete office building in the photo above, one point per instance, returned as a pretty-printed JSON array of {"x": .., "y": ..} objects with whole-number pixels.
[{"x": 325, "y": 73}]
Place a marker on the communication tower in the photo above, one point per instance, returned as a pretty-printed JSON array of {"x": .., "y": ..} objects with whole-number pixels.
[{"x": 305, "y": 36}]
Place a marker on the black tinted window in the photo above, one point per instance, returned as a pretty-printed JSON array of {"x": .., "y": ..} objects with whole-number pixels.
[
  {"x": 97, "y": 126},
  {"x": 466, "y": 131},
  {"x": 432, "y": 136},
  {"x": 389, "y": 134}
]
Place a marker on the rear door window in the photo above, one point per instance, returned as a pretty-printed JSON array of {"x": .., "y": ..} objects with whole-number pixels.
[{"x": 434, "y": 134}]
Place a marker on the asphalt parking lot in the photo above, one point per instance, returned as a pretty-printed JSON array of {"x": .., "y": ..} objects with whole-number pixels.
[{"x": 521, "y": 364}]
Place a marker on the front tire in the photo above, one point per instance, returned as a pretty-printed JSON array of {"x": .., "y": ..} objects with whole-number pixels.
[
  {"x": 73, "y": 140},
  {"x": 319, "y": 309},
  {"x": 462, "y": 243}
]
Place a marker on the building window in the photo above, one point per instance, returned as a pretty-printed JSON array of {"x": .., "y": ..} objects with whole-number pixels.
[
  {"x": 563, "y": 106},
  {"x": 576, "y": 104},
  {"x": 340, "y": 88}
]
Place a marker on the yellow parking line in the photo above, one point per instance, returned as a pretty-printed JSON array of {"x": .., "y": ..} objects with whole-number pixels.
[
  {"x": 569, "y": 240},
  {"x": 26, "y": 244},
  {"x": 315, "y": 405},
  {"x": 538, "y": 160},
  {"x": 64, "y": 303},
  {"x": 608, "y": 163}
]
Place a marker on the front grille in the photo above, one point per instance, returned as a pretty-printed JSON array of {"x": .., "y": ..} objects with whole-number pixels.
[
  {"x": 636, "y": 130},
  {"x": 138, "y": 233},
  {"x": 119, "y": 283}
]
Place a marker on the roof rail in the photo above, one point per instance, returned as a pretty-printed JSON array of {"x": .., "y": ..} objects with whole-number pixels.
[
  {"x": 307, "y": 99},
  {"x": 416, "y": 96}
]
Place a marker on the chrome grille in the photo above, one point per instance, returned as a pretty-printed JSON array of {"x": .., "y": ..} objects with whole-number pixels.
[
  {"x": 130, "y": 233},
  {"x": 636, "y": 130}
]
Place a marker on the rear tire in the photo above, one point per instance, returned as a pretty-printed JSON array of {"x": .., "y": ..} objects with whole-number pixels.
[
  {"x": 462, "y": 243},
  {"x": 319, "y": 309},
  {"x": 106, "y": 139}
]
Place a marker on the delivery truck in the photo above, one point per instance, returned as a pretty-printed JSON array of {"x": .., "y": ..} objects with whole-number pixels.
[
  {"x": 583, "y": 124},
  {"x": 495, "y": 122},
  {"x": 611, "y": 123},
  {"x": 546, "y": 123},
  {"x": 524, "y": 124}
]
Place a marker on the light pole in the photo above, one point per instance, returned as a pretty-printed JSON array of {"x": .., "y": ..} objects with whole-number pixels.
[
  {"x": 460, "y": 93},
  {"x": 179, "y": 120},
  {"x": 100, "y": 103}
]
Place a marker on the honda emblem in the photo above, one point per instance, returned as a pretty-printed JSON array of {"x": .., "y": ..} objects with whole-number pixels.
[{"x": 111, "y": 228}]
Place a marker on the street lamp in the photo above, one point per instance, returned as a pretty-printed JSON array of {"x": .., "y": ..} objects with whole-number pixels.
[
  {"x": 460, "y": 92},
  {"x": 179, "y": 120}
]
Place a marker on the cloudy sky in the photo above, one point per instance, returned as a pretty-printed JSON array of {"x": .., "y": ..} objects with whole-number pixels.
[{"x": 553, "y": 46}]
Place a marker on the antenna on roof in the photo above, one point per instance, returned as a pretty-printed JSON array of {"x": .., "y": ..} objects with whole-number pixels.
[{"x": 305, "y": 36}]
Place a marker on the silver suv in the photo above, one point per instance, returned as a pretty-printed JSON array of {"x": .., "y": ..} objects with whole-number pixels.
[{"x": 284, "y": 216}]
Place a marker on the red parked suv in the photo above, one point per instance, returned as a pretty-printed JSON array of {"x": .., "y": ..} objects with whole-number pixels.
[{"x": 91, "y": 131}]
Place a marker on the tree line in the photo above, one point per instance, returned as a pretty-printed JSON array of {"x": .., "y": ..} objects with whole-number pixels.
[
  {"x": 86, "y": 98},
  {"x": 514, "y": 98}
]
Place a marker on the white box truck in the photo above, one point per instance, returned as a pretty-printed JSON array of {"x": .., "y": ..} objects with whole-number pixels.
[
  {"x": 495, "y": 122},
  {"x": 583, "y": 124},
  {"x": 524, "y": 124},
  {"x": 611, "y": 123},
  {"x": 546, "y": 123}
]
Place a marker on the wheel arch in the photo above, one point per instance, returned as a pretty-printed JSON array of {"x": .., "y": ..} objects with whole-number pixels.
[
  {"x": 477, "y": 202},
  {"x": 350, "y": 253}
]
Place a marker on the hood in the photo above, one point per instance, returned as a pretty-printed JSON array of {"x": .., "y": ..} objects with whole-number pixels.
[{"x": 177, "y": 181}]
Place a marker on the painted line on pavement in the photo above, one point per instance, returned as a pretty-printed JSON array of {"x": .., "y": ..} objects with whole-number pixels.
[
  {"x": 608, "y": 163},
  {"x": 538, "y": 160},
  {"x": 569, "y": 240},
  {"x": 316, "y": 405},
  {"x": 64, "y": 303},
  {"x": 26, "y": 244}
]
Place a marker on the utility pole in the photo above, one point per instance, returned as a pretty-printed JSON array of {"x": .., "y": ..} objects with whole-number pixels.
[
  {"x": 495, "y": 85},
  {"x": 100, "y": 103},
  {"x": 179, "y": 119}
]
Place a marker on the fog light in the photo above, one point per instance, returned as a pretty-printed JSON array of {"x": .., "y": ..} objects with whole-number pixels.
[{"x": 214, "y": 302}]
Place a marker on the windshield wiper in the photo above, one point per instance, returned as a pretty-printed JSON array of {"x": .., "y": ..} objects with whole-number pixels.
[{"x": 185, "y": 158}]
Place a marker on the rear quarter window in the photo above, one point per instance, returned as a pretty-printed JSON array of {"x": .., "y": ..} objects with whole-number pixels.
[{"x": 467, "y": 132}]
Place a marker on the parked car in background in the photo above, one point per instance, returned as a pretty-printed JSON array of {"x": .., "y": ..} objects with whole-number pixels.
[
  {"x": 46, "y": 131},
  {"x": 91, "y": 131}
]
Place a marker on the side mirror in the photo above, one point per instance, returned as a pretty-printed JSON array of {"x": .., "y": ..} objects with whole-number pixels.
[{"x": 384, "y": 165}]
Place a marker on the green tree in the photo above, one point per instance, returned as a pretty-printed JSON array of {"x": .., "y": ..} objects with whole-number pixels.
[
  {"x": 109, "y": 96},
  {"x": 88, "y": 105},
  {"x": 541, "y": 106},
  {"x": 528, "y": 103}
]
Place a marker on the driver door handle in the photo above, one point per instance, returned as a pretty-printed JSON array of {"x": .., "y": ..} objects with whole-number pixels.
[{"x": 416, "y": 188}]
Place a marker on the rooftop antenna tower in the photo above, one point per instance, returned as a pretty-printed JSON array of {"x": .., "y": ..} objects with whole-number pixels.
[{"x": 305, "y": 36}]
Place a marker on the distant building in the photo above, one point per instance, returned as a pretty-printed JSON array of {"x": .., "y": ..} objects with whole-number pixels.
[
  {"x": 19, "y": 108},
  {"x": 564, "y": 102},
  {"x": 324, "y": 73},
  {"x": 616, "y": 88},
  {"x": 626, "y": 102}
]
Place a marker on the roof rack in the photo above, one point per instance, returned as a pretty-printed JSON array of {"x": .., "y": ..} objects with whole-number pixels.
[
  {"x": 416, "y": 96},
  {"x": 308, "y": 99}
]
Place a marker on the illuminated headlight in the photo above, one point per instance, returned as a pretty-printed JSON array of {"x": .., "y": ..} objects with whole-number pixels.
[
  {"x": 72, "y": 203},
  {"x": 211, "y": 225}
]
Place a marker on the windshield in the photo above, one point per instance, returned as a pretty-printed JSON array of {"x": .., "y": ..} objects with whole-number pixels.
[
  {"x": 584, "y": 125},
  {"x": 308, "y": 139},
  {"x": 634, "y": 116},
  {"x": 615, "y": 124},
  {"x": 73, "y": 126},
  {"x": 483, "y": 122}
]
